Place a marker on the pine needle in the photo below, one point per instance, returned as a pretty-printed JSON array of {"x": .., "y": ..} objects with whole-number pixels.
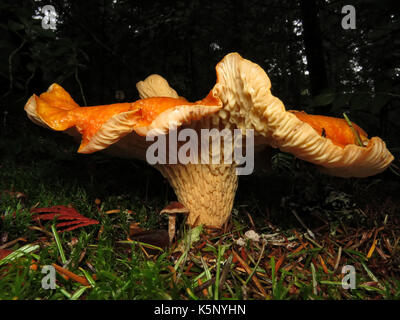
[{"x": 69, "y": 274}]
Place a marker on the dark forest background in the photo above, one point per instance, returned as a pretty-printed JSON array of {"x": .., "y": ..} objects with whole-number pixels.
[{"x": 100, "y": 49}]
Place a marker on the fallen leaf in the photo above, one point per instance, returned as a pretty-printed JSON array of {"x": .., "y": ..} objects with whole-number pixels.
[
  {"x": 191, "y": 237},
  {"x": 4, "y": 253},
  {"x": 63, "y": 213},
  {"x": 158, "y": 238}
]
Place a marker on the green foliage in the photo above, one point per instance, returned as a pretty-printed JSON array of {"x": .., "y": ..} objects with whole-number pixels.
[
  {"x": 33, "y": 53},
  {"x": 324, "y": 99}
]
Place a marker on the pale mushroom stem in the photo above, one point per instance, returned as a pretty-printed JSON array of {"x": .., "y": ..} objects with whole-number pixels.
[
  {"x": 171, "y": 227},
  {"x": 207, "y": 190}
]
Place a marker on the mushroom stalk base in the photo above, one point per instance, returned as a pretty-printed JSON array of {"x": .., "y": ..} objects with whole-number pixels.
[{"x": 207, "y": 190}]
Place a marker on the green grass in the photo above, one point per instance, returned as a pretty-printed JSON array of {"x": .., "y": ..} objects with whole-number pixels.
[{"x": 344, "y": 215}]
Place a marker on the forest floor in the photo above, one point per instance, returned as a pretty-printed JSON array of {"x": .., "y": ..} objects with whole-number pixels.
[{"x": 291, "y": 233}]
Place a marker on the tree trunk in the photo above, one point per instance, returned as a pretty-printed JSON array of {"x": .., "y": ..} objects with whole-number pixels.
[{"x": 313, "y": 47}]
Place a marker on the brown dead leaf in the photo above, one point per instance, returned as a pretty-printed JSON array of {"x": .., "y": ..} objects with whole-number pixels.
[
  {"x": 4, "y": 253},
  {"x": 158, "y": 238}
]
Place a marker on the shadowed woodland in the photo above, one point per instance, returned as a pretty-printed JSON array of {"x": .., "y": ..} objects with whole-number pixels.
[{"x": 101, "y": 49}]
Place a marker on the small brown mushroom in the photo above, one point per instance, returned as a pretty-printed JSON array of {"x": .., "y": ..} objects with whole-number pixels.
[{"x": 172, "y": 210}]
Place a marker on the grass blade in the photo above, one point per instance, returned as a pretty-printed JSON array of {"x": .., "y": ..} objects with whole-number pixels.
[
  {"x": 19, "y": 253},
  {"x": 256, "y": 266},
  {"x": 59, "y": 245},
  {"x": 77, "y": 294},
  {"x": 221, "y": 251},
  {"x": 314, "y": 279},
  {"x": 353, "y": 130},
  {"x": 88, "y": 277}
]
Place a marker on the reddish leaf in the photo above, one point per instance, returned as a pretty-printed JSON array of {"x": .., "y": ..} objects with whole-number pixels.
[
  {"x": 4, "y": 253},
  {"x": 63, "y": 213}
]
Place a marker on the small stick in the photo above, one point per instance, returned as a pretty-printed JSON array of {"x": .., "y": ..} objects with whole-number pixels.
[
  {"x": 204, "y": 286},
  {"x": 251, "y": 220},
  {"x": 303, "y": 225},
  {"x": 204, "y": 291},
  {"x": 225, "y": 271},
  {"x": 338, "y": 259},
  {"x": 11, "y": 243}
]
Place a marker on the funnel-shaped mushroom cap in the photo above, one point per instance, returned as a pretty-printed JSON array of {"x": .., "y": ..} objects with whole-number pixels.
[
  {"x": 244, "y": 89},
  {"x": 102, "y": 126},
  {"x": 241, "y": 98}
]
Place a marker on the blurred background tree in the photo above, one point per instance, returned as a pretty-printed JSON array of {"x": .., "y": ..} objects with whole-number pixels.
[{"x": 101, "y": 48}]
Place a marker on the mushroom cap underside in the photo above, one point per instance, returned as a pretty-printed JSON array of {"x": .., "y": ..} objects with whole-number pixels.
[{"x": 245, "y": 91}]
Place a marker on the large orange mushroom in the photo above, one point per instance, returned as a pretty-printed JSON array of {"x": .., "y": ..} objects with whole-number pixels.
[{"x": 240, "y": 99}]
